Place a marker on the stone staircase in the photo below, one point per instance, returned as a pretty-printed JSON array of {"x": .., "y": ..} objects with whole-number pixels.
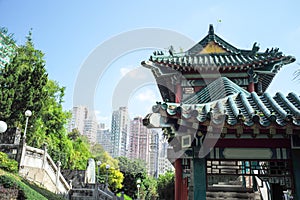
[{"x": 231, "y": 190}]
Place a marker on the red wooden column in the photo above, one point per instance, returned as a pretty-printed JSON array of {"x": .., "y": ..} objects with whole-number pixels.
[
  {"x": 178, "y": 93},
  {"x": 251, "y": 87},
  {"x": 185, "y": 191},
  {"x": 178, "y": 179},
  {"x": 179, "y": 187}
]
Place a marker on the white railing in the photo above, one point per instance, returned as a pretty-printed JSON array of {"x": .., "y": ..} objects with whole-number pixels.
[{"x": 37, "y": 165}]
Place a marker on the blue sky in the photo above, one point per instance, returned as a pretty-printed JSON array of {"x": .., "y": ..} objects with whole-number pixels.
[{"x": 69, "y": 31}]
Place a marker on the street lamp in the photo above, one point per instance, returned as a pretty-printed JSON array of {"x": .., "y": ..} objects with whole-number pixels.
[
  {"x": 97, "y": 182},
  {"x": 106, "y": 181},
  {"x": 138, "y": 185},
  {"x": 28, "y": 113},
  {"x": 99, "y": 164},
  {"x": 3, "y": 126}
]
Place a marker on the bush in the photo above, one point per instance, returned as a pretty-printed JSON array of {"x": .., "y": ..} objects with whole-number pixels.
[
  {"x": 7, "y": 182},
  {"x": 42, "y": 191},
  {"x": 8, "y": 164},
  {"x": 13, "y": 187},
  {"x": 10, "y": 189}
]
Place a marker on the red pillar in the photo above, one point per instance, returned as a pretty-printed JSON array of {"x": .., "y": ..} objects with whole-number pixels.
[
  {"x": 180, "y": 188},
  {"x": 184, "y": 194},
  {"x": 251, "y": 87},
  {"x": 178, "y": 179},
  {"x": 178, "y": 93}
]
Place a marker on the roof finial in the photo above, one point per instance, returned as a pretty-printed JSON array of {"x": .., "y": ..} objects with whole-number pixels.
[{"x": 211, "y": 30}]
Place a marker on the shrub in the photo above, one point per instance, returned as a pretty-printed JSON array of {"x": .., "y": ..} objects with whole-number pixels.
[
  {"x": 8, "y": 164},
  {"x": 13, "y": 188},
  {"x": 7, "y": 182}
]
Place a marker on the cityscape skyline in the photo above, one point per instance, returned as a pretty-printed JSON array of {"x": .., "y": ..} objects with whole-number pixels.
[{"x": 125, "y": 137}]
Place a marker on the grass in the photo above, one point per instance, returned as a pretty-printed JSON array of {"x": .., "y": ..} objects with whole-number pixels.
[
  {"x": 26, "y": 189},
  {"x": 125, "y": 196}
]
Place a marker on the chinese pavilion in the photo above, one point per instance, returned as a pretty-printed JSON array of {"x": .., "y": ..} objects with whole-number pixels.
[{"x": 230, "y": 139}]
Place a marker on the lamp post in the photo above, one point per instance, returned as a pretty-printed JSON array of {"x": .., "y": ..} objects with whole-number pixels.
[
  {"x": 138, "y": 185},
  {"x": 28, "y": 113},
  {"x": 97, "y": 183},
  {"x": 106, "y": 181},
  {"x": 99, "y": 164},
  {"x": 3, "y": 126}
]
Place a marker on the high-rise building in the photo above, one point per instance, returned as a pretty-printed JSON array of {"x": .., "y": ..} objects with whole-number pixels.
[
  {"x": 90, "y": 128},
  {"x": 103, "y": 137},
  {"x": 164, "y": 164},
  {"x": 119, "y": 132},
  {"x": 153, "y": 153},
  {"x": 101, "y": 126},
  {"x": 79, "y": 115},
  {"x": 139, "y": 142},
  {"x": 139, "y": 139}
]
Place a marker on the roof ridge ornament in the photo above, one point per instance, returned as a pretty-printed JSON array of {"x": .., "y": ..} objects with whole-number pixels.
[
  {"x": 211, "y": 30},
  {"x": 211, "y": 33},
  {"x": 255, "y": 48}
]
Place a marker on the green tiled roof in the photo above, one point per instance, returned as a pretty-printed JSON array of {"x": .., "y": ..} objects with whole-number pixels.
[
  {"x": 270, "y": 60},
  {"x": 225, "y": 61},
  {"x": 248, "y": 109}
]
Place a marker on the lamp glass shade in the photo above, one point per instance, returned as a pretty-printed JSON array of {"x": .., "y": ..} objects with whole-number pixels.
[
  {"x": 3, "y": 126},
  {"x": 28, "y": 113}
]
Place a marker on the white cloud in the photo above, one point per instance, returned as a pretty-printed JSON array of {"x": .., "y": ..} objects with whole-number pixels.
[
  {"x": 102, "y": 119},
  {"x": 125, "y": 70},
  {"x": 147, "y": 95}
]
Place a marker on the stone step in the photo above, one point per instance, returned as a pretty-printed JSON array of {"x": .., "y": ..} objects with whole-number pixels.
[
  {"x": 229, "y": 188},
  {"x": 226, "y": 185},
  {"x": 232, "y": 195},
  {"x": 229, "y": 183}
]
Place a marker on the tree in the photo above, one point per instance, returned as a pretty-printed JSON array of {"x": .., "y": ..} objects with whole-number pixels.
[
  {"x": 148, "y": 188},
  {"x": 132, "y": 170},
  {"x": 100, "y": 154},
  {"x": 22, "y": 83},
  {"x": 165, "y": 185},
  {"x": 113, "y": 177},
  {"x": 49, "y": 126},
  {"x": 79, "y": 154}
]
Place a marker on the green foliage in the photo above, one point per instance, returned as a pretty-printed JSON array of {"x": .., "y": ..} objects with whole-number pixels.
[
  {"x": 22, "y": 84},
  {"x": 7, "y": 182},
  {"x": 6, "y": 38},
  {"x": 79, "y": 154},
  {"x": 165, "y": 186},
  {"x": 113, "y": 176},
  {"x": 126, "y": 197},
  {"x": 24, "y": 191},
  {"x": 132, "y": 170},
  {"x": 8, "y": 164},
  {"x": 100, "y": 154},
  {"x": 148, "y": 188},
  {"x": 44, "y": 192}
]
